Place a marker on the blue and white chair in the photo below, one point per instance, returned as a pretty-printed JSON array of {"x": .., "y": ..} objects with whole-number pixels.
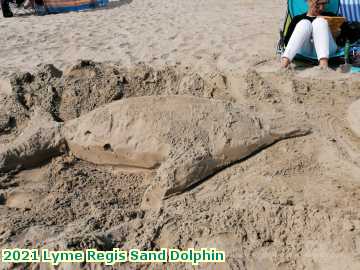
[{"x": 350, "y": 9}]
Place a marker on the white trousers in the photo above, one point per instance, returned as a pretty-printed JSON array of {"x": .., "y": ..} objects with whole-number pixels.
[{"x": 311, "y": 39}]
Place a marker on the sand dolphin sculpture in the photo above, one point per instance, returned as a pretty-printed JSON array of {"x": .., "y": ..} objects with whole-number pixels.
[{"x": 186, "y": 139}]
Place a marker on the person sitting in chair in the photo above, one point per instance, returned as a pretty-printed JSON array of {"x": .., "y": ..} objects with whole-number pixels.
[{"x": 308, "y": 32}]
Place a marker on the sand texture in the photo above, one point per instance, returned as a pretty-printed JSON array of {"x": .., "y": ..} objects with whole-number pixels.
[
  {"x": 354, "y": 117},
  {"x": 155, "y": 124},
  {"x": 132, "y": 31}
]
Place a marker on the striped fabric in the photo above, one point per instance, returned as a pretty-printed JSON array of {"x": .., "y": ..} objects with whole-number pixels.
[
  {"x": 59, "y": 6},
  {"x": 350, "y": 9}
]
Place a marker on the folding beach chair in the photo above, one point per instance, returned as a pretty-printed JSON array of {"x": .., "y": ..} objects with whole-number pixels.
[{"x": 350, "y": 9}]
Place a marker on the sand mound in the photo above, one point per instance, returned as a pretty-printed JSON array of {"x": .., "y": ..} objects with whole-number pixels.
[
  {"x": 88, "y": 85},
  {"x": 67, "y": 95},
  {"x": 13, "y": 118},
  {"x": 293, "y": 205}
]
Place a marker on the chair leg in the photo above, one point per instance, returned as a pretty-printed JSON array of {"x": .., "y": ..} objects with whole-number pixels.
[{"x": 6, "y": 9}]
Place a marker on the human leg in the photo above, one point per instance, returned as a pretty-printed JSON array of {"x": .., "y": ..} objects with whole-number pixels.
[
  {"x": 299, "y": 39},
  {"x": 29, "y": 4},
  {"x": 323, "y": 41}
]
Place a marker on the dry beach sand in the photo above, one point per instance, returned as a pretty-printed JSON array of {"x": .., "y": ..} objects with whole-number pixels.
[
  {"x": 221, "y": 34},
  {"x": 292, "y": 205}
]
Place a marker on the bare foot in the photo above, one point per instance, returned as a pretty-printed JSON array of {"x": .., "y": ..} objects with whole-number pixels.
[
  {"x": 285, "y": 62},
  {"x": 324, "y": 63}
]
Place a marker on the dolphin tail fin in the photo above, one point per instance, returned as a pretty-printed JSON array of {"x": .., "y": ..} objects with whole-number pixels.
[{"x": 281, "y": 133}]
